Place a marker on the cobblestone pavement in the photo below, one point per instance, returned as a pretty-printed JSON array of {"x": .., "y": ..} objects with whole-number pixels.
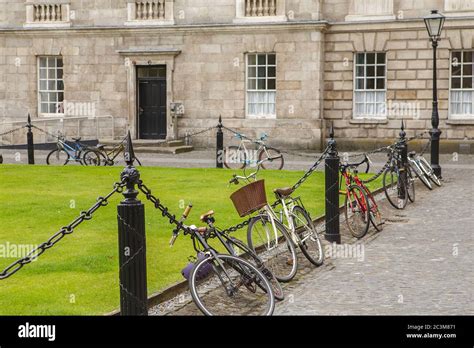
[
  {"x": 206, "y": 159},
  {"x": 419, "y": 265}
]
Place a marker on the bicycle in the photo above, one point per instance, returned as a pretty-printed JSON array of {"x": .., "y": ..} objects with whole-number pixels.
[
  {"x": 223, "y": 284},
  {"x": 236, "y": 247},
  {"x": 398, "y": 188},
  {"x": 360, "y": 207},
  {"x": 238, "y": 157},
  {"x": 66, "y": 153},
  {"x": 108, "y": 157},
  {"x": 279, "y": 234},
  {"x": 423, "y": 169}
]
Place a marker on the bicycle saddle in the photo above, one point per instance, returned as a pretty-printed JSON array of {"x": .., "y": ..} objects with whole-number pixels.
[
  {"x": 76, "y": 139},
  {"x": 206, "y": 216},
  {"x": 100, "y": 146},
  {"x": 412, "y": 154},
  {"x": 284, "y": 192}
]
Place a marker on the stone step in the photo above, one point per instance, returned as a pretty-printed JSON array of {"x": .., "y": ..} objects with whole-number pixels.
[
  {"x": 164, "y": 149},
  {"x": 147, "y": 143}
]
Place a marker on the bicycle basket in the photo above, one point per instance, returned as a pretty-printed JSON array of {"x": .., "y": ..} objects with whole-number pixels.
[{"x": 250, "y": 198}]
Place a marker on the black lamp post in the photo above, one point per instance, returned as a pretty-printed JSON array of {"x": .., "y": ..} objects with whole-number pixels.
[{"x": 434, "y": 24}]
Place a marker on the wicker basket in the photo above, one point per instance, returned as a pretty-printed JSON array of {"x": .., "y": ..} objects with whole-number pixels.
[{"x": 250, "y": 198}]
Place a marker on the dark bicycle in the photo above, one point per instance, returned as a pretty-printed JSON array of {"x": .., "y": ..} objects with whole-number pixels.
[
  {"x": 76, "y": 152},
  {"x": 398, "y": 190},
  {"x": 223, "y": 284}
]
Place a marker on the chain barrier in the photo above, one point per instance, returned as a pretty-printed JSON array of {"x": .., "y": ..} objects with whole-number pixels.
[
  {"x": 64, "y": 231},
  {"x": 11, "y": 131},
  {"x": 428, "y": 144},
  {"x": 45, "y": 132},
  {"x": 311, "y": 170},
  {"x": 378, "y": 174},
  {"x": 200, "y": 132}
]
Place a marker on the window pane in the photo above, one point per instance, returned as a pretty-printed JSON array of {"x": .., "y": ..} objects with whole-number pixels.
[
  {"x": 61, "y": 97},
  {"x": 370, "y": 58},
  {"x": 51, "y": 73},
  {"x": 43, "y": 97},
  {"x": 60, "y": 73},
  {"x": 262, "y": 72},
  {"x": 380, "y": 58},
  {"x": 467, "y": 57},
  {"x": 44, "y": 107},
  {"x": 271, "y": 84},
  {"x": 59, "y": 62},
  {"x": 51, "y": 85},
  {"x": 252, "y": 72},
  {"x": 252, "y": 59},
  {"x": 456, "y": 58},
  {"x": 370, "y": 83},
  {"x": 53, "y": 97},
  {"x": 43, "y": 73},
  {"x": 261, "y": 84},
  {"x": 42, "y": 62},
  {"x": 51, "y": 62},
  {"x": 252, "y": 84},
  {"x": 271, "y": 71},
  {"x": 360, "y": 71},
  {"x": 360, "y": 58},
  {"x": 271, "y": 59},
  {"x": 467, "y": 83},
  {"x": 262, "y": 59},
  {"x": 467, "y": 69},
  {"x": 370, "y": 71},
  {"x": 360, "y": 84},
  {"x": 380, "y": 83},
  {"x": 456, "y": 82},
  {"x": 456, "y": 70},
  {"x": 43, "y": 85},
  {"x": 53, "y": 108},
  {"x": 381, "y": 70}
]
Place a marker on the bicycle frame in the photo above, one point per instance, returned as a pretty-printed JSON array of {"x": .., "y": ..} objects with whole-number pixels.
[
  {"x": 71, "y": 152},
  {"x": 349, "y": 180}
]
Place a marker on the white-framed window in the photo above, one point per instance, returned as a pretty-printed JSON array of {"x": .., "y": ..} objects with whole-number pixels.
[
  {"x": 261, "y": 85},
  {"x": 461, "y": 96},
  {"x": 370, "y": 85},
  {"x": 50, "y": 85}
]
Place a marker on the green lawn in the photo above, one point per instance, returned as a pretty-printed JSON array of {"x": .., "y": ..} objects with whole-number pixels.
[{"x": 79, "y": 276}]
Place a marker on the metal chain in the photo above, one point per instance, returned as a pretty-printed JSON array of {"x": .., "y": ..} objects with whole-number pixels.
[
  {"x": 378, "y": 174},
  {"x": 69, "y": 229},
  {"x": 201, "y": 131},
  {"x": 45, "y": 132},
  {"x": 311, "y": 170},
  {"x": 236, "y": 133},
  {"x": 11, "y": 131},
  {"x": 426, "y": 147},
  {"x": 237, "y": 227}
]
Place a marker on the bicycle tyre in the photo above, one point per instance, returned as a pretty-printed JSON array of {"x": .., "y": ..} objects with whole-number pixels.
[
  {"x": 410, "y": 185},
  {"x": 92, "y": 158},
  {"x": 426, "y": 167},
  {"x": 420, "y": 173},
  {"x": 375, "y": 215},
  {"x": 364, "y": 216},
  {"x": 243, "y": 266},
  {"x": 276, "y": 286},
  {"x": 394, "y": 180},
  {"x": 279, "y": 163},
  {"x": 302, "y": 244},
  {"x": 235, "y": 158},
  {"x": 60, "y": 153},
  {"x": 276, "y": 268}
]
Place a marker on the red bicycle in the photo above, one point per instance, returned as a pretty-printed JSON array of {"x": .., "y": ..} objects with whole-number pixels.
[{"x": 360, "y": 207}]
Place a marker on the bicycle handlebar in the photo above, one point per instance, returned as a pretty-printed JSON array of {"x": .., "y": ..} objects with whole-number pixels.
[{"x": 177, "y": 229}]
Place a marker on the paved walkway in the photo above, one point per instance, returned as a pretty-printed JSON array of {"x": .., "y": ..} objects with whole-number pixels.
[{"x": 421, "y": 264}]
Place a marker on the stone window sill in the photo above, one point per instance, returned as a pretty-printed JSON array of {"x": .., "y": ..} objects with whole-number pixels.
[
  {"x": 261, "y": 19},
  {"x": 360, "y": 18},
  {"x": 368, "y": 121},
  {"x": 51, "y": 25},
  {"x": 150, "y": 23},
  {"x": 460, "y": 122}
]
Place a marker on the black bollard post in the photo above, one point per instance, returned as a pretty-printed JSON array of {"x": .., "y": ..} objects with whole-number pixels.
[
  {"x": 132, "y": 242},
  {"x": 332, "y": 191},
  {"x": 220, "y": 145},
  {"x": 403, "y": 158},
  {"x": 30, "y": 143}
]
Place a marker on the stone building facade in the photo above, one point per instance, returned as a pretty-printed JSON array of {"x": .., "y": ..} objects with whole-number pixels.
[{"x": 285, "y": 67}]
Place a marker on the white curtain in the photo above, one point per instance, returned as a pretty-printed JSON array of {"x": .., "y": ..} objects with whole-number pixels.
[
  {"x": 262, "y": 103},
  {"x": 370, "y": 103},
  {"x": 461, "y": 102}
]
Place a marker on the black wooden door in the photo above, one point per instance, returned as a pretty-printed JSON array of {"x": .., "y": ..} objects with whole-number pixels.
[{"x": 152, "y": 108}]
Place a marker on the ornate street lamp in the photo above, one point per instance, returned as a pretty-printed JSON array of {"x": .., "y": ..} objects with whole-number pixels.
[{"x": 434, "y": 24}]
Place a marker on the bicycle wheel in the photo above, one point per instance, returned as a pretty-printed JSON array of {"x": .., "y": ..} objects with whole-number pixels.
[
  {"x": 356, "y": 211},
  {"x": 394, "y": 186},
  {"x": 241, "y": 250},
  {"x": 273, "y": 246},
  {"x": 374, "y": 214},
  {"x": 93, "y": 158},
  {"x": 309, "y": 241},
  {"x": 428, "y": 170},
  {"x": 57, "y": 157},
  {"x": 410, "y": 185},
  {"x": 235, "y": 157},
  {"x": 232, "y": 286},
  {"x": 274, "y": 156},
  {"x": 417, "y": 169}
]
